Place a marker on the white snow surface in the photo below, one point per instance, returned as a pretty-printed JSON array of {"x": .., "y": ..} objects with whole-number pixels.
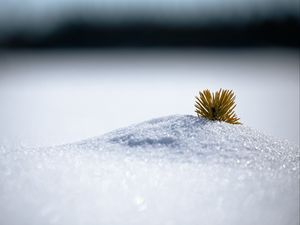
[{"x": 173, "y": 170}]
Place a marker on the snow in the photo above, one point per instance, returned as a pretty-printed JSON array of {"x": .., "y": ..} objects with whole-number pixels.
[
  {"x": 57, "y": 97},
  {"x": 172, "y": 170}
]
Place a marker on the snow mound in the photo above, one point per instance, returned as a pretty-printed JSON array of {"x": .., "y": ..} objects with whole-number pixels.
[
  {"x": 170, "y": 170},
  {"x": 189, "y": 138}
]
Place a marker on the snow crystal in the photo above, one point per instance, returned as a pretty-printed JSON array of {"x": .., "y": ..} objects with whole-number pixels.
[{"x": 170, "y": 170}]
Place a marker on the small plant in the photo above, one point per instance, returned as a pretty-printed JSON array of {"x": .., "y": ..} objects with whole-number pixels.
[{"x": 217, "y": 106}]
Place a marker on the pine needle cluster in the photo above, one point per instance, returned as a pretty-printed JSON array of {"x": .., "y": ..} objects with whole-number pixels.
[{"x": 217, "y": 106}]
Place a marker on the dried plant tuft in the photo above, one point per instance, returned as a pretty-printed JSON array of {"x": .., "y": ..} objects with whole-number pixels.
[{"x": 217, "y": 106}]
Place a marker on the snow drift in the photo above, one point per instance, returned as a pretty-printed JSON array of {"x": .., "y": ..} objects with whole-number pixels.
[{"x": 170, "y": 170}]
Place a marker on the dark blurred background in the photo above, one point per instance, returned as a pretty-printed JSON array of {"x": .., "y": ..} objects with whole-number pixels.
[{"x": 148, "y": 23}]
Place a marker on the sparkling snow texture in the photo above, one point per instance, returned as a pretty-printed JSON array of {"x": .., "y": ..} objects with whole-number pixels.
[{"x": 171, "y": 170}]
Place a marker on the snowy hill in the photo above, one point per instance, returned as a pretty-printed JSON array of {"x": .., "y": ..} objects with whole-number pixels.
[{"x": 170, "y": 170}]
